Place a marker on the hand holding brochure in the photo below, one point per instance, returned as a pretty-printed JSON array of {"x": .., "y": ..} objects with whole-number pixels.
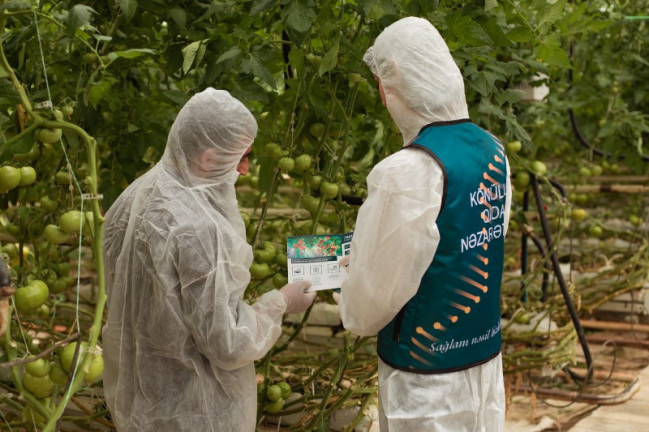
[{"x": 315, "y": 258}]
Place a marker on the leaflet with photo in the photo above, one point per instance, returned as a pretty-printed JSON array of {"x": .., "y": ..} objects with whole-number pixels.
[{"x": 316, "y": 258}]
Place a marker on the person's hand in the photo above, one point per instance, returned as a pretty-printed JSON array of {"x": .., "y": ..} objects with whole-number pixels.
[
  {"x": 336, "y": 297},
  {"x": 344, "y": 263},
  {"x": 297, "y": 299}
]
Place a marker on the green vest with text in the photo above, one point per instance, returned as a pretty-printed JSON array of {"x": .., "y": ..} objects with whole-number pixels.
[{"x": 453, "y": 322}]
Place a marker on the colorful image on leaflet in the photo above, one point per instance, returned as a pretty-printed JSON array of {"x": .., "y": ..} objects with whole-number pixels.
[{"x": 314, "y": 246}]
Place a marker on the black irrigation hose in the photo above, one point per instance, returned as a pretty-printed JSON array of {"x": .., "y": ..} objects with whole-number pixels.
[
  {"x": 526, "y": 206},
  {"x": 352, "y": 200},
  {"x": 562, "y": 285}
]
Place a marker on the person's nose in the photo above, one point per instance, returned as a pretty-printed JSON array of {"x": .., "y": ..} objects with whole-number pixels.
[{"x": 244, "y": 167}]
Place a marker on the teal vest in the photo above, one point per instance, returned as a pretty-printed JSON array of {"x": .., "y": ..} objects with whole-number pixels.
[{"x": 453, "y": 322}]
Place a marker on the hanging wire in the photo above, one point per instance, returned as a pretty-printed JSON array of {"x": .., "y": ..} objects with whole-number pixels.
[{"x": 76, "y": 182}]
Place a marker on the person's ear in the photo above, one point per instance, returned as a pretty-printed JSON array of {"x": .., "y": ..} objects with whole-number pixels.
[{"x": 208, "y": 160}]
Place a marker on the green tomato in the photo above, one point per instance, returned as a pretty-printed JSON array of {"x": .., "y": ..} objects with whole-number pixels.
[
  {"x": 578, "y": 214},
  {"x": 314, "y": 181},
  {"x": 67, "y": 355},
  {"x": 310, "y": 203},
  {"x": 31, "y": 296},
  {"x": 329, "y": 190},
  {"x": 522, "y": 318},
  {"x": 513, "y": 147},
  {"x": 274, "y": 407},
  {"x": 274, "y": 392},
  {"x": 302, "y": 163},
  {"x": 279, "y": 280},
  {"x": 38, "y": 368},
  {"x": 27, "y": 176},
  {"x": 63, "y": 268},
  {"x": 595, "y": 231},
  {"x": 59, "y": 286},
  {"x": 41, "y": 387},
  {"x": 317, "y": 130},
  {"x": 522, "y": 179},
  {"x": 286, "y": 164},
  {"x": 10, "y": 249},
  {"x": 271, "y": 148},
  {"x": 585, "y": 172},
  {"x": 281, "y": 260},
  {"x": 539, "y": 168},
  {"x": 55, "y": 235},
  {"x": 68, "y": 110},
  {"x": 9, "y": 178},
  {"x": 58, "y": 114},
  {"x": 635, "y": 220},
  {"x": 70, "y": 221},
  {"x": 95, "y": 369},
  {"x": 43, "y": 311},
  {"x": 286, "y": 389},
  {"x": 246, "y": 219},
  {"x": 354, "y": 78},
  {"x": 58, "y": 375},
  {"x": 49, "y": 136},
  {"x": 260, "y": 270},
  {"x": 48, "y": 204},
  {"x": 61, "y": 178}
]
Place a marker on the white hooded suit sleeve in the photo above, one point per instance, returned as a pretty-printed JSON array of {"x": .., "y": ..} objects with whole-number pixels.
[
  {"x": 394, "y": 241},
  {"x": 229, "y": 332}
]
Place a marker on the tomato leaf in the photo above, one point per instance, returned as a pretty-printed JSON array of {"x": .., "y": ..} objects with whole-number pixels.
[
  {"x": 189, "y": 55},
  {"x": 377, "y": 9},
  {"x": 329, "y": 60},
  {"x": 176, "y": 96},
  {"x": 232, "y": 53},
  {"x": 97, "y": 92},
  {"x": 552, "y": 54},
  {"x": 550, "y": 14},
  {"x": 259, "y": 6},
  {"x": 78, "y": 16},
  {"x": 256, "y": 67},
  {"x": 179, "y": 16},
  {"x": 128, "y": 8},
  {"x": 490, "y": 4},
  {"x": 14, "y": 4},
  {"x": 299, "y": 15},
  {"x": 467, "y": 31}
]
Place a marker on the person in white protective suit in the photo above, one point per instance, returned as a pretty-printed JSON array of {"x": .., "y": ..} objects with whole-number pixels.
[
  {"x": 180, "y": 341},
  {"x": 426, "y": 257}
]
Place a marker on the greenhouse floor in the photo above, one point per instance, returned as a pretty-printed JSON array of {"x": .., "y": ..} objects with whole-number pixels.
[
  {"x": 624, "y": 406},
  {"x": 616, "y": 401}
]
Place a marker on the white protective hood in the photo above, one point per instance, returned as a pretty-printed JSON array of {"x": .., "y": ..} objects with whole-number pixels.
[{"x": 421, "y": 81}]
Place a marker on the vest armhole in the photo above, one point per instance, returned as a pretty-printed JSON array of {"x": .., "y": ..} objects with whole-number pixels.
[{"x": 441, "y": 165}]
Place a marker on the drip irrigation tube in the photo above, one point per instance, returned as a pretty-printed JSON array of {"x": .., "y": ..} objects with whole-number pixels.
[{"x": 562, "y": 285}]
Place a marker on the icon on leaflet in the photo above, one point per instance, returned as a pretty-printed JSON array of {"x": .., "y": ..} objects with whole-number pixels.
[
  {"x": 298, "y": 270},
  {"x": 316, "y": 269},
  {"x": 334, "y": 268}
]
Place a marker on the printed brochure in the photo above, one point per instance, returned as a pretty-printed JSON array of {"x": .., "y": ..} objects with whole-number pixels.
[{"x": 316, "y": 258}]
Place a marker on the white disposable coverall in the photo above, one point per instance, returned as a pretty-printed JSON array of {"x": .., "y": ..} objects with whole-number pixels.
[
  {"x": 396, "y": 237},
  {"x": 179, "y": 342}
]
